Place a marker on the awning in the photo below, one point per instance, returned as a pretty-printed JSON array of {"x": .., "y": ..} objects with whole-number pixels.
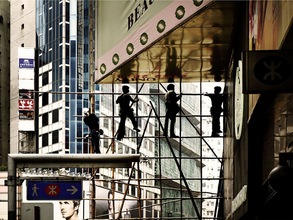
[{"x": 198, "y": 49}]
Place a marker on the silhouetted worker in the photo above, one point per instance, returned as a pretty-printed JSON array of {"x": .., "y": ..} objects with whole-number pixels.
[
  {"x": 92, "y": 121},
  {"x": 172, "y": 108},
  {"x": 125, "y": 111},
  {"x": 216, "y": 110}
]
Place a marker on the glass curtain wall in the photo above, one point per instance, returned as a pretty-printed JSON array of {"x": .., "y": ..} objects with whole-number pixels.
[{"x": 63, "y": 62}]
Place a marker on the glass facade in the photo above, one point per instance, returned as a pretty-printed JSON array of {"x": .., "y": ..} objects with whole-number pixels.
[{"x": 62, "y": 29}]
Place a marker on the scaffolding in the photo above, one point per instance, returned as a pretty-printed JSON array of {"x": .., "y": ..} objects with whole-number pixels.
[{"x": 169, "y": 182}]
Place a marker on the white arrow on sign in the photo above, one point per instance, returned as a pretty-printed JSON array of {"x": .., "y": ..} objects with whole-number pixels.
[{"x": 73, "y": 190}]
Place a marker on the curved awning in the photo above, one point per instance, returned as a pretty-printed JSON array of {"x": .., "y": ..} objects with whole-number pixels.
[{"x": 198, "y": 49}]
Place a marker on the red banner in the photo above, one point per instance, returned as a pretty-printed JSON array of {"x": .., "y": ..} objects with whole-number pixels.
[{"x": 26, "y": 104}]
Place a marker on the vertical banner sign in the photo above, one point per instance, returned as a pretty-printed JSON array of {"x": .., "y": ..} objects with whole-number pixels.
[
  {"x": 136, "y": 26},
  {"x": 26, "y": 103}
]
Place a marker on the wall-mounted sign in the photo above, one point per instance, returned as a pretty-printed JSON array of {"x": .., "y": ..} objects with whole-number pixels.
[
  {"x": 26, "y": 63},
  {"x": 268, "y": 71},
  {"x": 238, "y": 102},
  {"x": 26, "y": 103}
]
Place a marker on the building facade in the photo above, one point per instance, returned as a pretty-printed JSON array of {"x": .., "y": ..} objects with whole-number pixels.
[
  {"x": 4, "y": 82},
  {"x": 24, "y": 37},
  {"x": 63, "y": 47},
  {"x": 258, "y": 163}
]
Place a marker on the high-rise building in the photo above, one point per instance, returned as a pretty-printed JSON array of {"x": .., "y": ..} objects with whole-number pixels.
[
  {"x": 59, "y": 33},
  {"x": 63, "y": 48},
  {"x": 23, "y": 36}
]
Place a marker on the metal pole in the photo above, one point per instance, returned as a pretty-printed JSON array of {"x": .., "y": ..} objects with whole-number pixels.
[
  {"x": 11, "y": 183},
  {"x": 92, "y": 99},
  {"x": 37, "y": 213}
]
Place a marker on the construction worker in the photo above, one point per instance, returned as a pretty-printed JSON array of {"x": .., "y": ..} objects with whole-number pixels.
[
  {"x": 216, "y": 110},
  {"x": 172, "y": 108},
  {"x": 125, "y": 111},
  {"x": 92, "y": 121}
]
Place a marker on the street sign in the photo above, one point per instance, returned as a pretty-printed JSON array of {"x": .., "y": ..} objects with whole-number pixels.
[
  {"x": 268, "y": 71},
  {"x": 54, "y": 190}
]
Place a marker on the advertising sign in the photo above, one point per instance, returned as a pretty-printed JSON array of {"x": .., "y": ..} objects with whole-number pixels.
[
  {"x": 26, "y": 63},
  {"x": 136, "y": 26},
  {"x": 108, "y": 206},
  {"x": 26, "y": 103}
]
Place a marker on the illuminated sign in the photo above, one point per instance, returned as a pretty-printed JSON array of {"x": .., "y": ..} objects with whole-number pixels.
[{"x": 54, "y": 190}]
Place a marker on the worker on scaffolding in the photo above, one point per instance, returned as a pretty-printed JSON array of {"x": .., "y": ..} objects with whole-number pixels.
[
  {"x": 92, "y": 121},
  {"x": 125, "y": 111},
  {"x": 172, "y": 108},
  {"x": 216, "y": 110}
]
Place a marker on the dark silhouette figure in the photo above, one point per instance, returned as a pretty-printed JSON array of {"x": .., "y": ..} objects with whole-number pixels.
[
  {"x": 172, "y": 108},
  {"x": 92, "y": 121},
  {"x": 125, "y": 112},
  {"x": 216, "y": 110},
  {"x": 172, "y": 70}
]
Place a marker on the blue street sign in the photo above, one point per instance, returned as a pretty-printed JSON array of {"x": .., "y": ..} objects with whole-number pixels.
[{"x": 54, "y": 190}]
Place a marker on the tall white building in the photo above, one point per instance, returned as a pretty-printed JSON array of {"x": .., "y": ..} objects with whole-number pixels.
[{"x": 23, "y": 35}]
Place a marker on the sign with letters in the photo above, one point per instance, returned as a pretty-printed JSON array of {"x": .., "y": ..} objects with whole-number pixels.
[
  {"x": 54, "y": 190},
  {"x": 268, "y": 71},
  {"x": 135, "y": 27}
]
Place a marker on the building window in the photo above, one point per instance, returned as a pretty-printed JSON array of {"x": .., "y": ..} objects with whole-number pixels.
[
  {"x": 45, "y": 98},
  {"x": 45, "y": 119},
  {"x": 45, "y": 140},
  {"x": 45, "y": 78},
  {"x": 55, "y": 137},
  {"x": 22, "y": 6},
  {"x": 22, "y": 45},
  {"x": 55, "y": 116},
  {"x": 106, "y": 123},
  {"x": 22, "y": 26},
  {"x": 132, "y": 191},
  {"x": 105, "y": 141},
  {"x": 120, "y": 189}
]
